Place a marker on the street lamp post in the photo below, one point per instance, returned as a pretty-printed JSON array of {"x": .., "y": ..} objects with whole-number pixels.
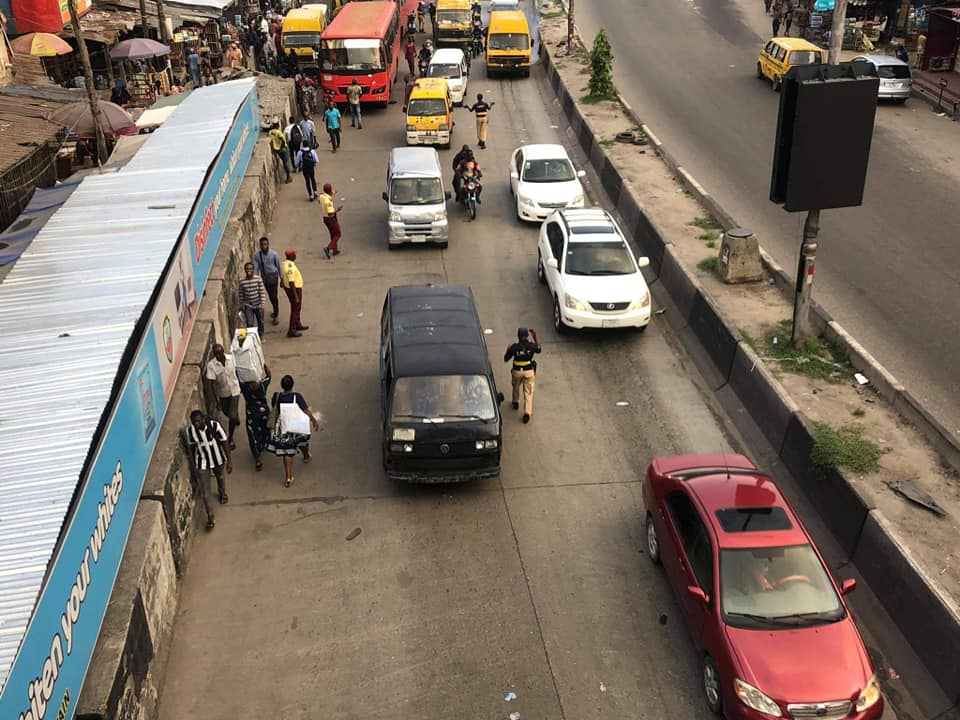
[{"x": 88, "y": 80}]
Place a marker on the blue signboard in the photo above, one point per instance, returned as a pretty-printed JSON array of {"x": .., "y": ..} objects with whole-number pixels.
[{"x": 48, "y": 672}]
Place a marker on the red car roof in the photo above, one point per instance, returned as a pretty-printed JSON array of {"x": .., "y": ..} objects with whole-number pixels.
[{"x": 743, "y": 487}]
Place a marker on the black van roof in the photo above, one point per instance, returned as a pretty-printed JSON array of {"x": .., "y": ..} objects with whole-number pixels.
[{"x": 435, "y": 331}]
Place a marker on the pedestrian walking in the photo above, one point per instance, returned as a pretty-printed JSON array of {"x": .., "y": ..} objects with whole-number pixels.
[
  {"x": 331, "y": 117},
  {"x": 257, "y": 416},
  {"x": 420, "y": 10},
  {"x": 766, "y": 5},
  {"x": 481, "y": 108},
  {"x": 293, "y": 137},
  {"x": 253, "y": 296},
  {"x": 921, "y": 46},
  {"x": 221, "y": 371},
  {"x": 278, "y": 144},
  {"x": 902, "y": 53},
  {"x": 307, "y": 162},
  {"x": 292, "y": 282},
  {"x": 410, "y": 53},
  {"x": 234, "y": 57},
  {"x": 777, "y": 19},
  {"x": 290, "y": 434},
  {"x": 329, "y": 211},
  {"x": 354, "y": 91},
  {"x": 432, "y": 11},
  {"x": 308, "y": 131},
  {"x": 524, "y": 371},
  {"x": 193, "y": 66},
  {"x": 266, "y": 264},
  {"x": 788, "y": 18},
  {"x": 209, "y": 455},
  {"x": 408, "y": 85}
]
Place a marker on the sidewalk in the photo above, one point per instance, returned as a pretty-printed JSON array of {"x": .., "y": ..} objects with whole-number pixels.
[{"x": 928, "y": 84}]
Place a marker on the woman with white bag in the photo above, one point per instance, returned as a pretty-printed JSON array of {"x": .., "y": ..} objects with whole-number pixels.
[{"x": 292, "y": 423}]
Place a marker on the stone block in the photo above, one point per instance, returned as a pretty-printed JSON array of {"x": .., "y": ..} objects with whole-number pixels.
[{"x": 740, "y": 257}]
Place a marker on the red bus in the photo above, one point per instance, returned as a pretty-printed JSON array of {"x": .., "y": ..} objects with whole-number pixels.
[{"x": 362, "y": 43}]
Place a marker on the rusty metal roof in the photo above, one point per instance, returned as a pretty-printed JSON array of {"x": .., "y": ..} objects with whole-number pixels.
[
  {"x": 24, "y": 128},
  {"x": 103, "y": 25}
]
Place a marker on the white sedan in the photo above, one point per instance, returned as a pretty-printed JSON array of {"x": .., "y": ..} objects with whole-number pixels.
[
  {"x": 543, "y": 179},
  {"x": 593, "y": 277}
]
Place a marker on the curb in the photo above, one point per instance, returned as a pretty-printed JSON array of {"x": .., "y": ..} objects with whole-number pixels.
[{"x": 907, "y": 594}]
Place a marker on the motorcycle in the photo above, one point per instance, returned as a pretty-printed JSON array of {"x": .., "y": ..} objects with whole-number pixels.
[
  {"x": 476, "y": 44},
  {"x": 476, "y": 12},
  {"x": 468, "y": 194},
  {"x": 411, "y": 23},
  {"x": 422, "y": 65}
]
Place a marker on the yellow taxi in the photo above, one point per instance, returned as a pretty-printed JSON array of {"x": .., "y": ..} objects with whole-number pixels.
[
  {"x": 454, "y": 21},
  {"x": 430, "y": 113},
  {"x": 783, "y": 53},
  {"x": 301, "y": 31}
]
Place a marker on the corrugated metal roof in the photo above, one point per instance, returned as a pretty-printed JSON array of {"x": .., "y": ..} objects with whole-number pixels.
[{"x": 69, "y": 307}]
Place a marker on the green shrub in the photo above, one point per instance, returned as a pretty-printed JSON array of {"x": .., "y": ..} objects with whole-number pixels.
[{"x": 601, "y": 68}]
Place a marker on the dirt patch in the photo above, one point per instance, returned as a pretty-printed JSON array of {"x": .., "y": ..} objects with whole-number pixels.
[{"x": 758, "y": 309}]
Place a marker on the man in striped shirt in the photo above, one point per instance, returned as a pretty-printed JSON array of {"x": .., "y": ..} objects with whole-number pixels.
[
  {"x": 210, "y": 455},
  {"x": 253, "y": 296}
]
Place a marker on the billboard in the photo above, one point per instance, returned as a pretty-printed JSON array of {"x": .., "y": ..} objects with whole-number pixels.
[{"x": 48, "y": 673}]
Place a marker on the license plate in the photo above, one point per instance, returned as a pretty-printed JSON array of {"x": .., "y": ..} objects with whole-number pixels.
[
  {"x": 611, "y": 323},
  {"x": 418, "y": 238},
  {"x": 430, "y": 133}
]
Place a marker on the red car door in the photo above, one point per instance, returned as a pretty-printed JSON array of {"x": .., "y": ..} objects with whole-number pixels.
[{"x": 694, "y": 564}]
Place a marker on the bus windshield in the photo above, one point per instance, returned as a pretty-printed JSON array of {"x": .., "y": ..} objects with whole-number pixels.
[
  {"x": 509, "y": 41},
  {"x": 349, "y": 56},
  {"x": 301, "y": 39},
  {"x": 426, "y": 107},
  {"x": 453, "y": 17}
]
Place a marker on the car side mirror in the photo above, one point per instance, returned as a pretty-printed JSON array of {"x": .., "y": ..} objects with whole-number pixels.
[
  {"x": 552, "y": 262},
  {"x": 848, "y": 586},
  {"x": 514, "y": 175},
  {"x": 499, "y": 397},
  {"x": 643, "y": 262},
  {"x": 581, "y": 173},
  {"x": 447, "y": 195},
  {"x": 699, "y": 594},
  {"x": 384, "y": 195}
]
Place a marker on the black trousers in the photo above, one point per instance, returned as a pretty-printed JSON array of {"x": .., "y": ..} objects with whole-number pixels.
[
  {"x": 309, "y": 180},
  {"x": 334, "y": 134}
]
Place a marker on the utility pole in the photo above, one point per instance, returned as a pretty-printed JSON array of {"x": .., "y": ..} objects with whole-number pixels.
[
  {"x": 162, "y": 19},
  {"x": 811, "y": 226},
  {"x": 98, "y": 121},
  {"x": 570, "y": 30},
  {"x": 145, "y": 29}
]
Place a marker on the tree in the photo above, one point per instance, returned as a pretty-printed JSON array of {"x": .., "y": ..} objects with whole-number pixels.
[{"x": 601, "y": 67}]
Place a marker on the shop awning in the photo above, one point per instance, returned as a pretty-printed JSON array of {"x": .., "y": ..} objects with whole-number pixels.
[{"x": 103, "y": 26}]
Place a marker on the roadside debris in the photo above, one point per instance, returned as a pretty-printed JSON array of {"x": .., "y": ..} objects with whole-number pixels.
[
  {"x": 906, "y": 489},
  {"x": 510, "y": 696},
  {"x": 353, "y": 534},
  {"x": 603, "y": 687}
]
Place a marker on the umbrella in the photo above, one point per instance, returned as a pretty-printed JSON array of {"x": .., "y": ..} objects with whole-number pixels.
[
  {"x": 41, "y": 45},
  {"x": 138, "y": 49},
  {"x": 79, "y": 120}
]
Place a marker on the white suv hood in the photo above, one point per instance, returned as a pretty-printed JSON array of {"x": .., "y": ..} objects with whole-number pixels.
[
  {"x": 605, "y": 288},
  {"x": 551, "y": 192}
]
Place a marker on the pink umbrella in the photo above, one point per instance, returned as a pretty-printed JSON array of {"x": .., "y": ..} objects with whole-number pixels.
[{"x": 78, "y": 120}]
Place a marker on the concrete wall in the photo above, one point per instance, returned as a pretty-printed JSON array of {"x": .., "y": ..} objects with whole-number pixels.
[
  {"x": 928, "y": 618},
  {"x": 126, "y": 672}
]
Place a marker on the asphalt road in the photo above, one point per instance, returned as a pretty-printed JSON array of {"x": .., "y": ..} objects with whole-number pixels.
[
  {"x": 888, "y": 271},
  {"x": 450, "y": 597}
]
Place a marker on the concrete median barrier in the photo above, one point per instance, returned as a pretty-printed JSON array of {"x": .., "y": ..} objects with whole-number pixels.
[
  {"x": 761, "y": 394},
  {"x": 651, "y": 242},
  {"x": 718, "y": 338},
  {"x": 681, "y": 287},
  {"x": 925, "y": 615},
  {"x": 610, "y": 179}
]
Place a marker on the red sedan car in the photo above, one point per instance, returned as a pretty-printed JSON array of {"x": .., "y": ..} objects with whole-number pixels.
[{"x": 776, "y": 637}]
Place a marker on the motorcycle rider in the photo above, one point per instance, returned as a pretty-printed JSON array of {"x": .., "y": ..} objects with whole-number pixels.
[
  {"x": 411, "y": 23},
  {"x": 469, "y": 169},
  {"x": 465, "y": 153},
  {"x": 426, "y": 52},
  {"x": 476, "y": 45}
]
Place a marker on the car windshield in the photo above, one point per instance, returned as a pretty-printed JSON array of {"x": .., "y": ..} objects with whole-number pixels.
[
  {"x": 451, "y": 17},
  {"x": 444, "y": 70},
  {"x": 558, "y": 170},
  {"x": 443, "y": 397},
  {"x": 598, "y": 258},
  {"x": 776, "y": 586},
  {"x": 424, "y": 107},
  {"x": 804, "y": 57},
  {"x": 893, "y": 72},
  {"x": 416, "y": 191},
  {"x": 509, "y": 41},
  {"x": 351, "y": 56},
  {"x": 301, "y": 39}
]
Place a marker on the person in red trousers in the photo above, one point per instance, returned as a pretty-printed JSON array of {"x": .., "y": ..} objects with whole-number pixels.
[{"x": 292, "y": 282}]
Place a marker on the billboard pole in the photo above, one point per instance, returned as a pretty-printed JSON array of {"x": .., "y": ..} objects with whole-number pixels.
[{"x": 811, "y": 227}]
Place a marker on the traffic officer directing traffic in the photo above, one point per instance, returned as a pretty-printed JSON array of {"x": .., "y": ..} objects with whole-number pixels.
[
  {"x": 481, "y": 108},
  {"x": 524, "y": 371}
]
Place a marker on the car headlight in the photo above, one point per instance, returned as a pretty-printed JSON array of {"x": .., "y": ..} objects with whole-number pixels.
[
  {"x": 525, "y": 200},
  {"x": 869, "y": 696},
  {"x": 395, "y": 217},
  {"x": 439, "y": 216},
  {"x": 578, "y": 200},
  {"x": 572, "y": 303},
  {"x": 408, "y": 434},
  {"x": 486, "y": 445},
  {"x": 642, "y": 302},
  {"x": 411, "y": 128},
  {"x": 408, "y": 447},
  {"x": 444, "y": 126},
  {"x": 754, "y": 699}
]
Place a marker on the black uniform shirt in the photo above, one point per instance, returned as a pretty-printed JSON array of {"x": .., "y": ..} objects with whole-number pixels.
[{"x": 522, "y": 353}]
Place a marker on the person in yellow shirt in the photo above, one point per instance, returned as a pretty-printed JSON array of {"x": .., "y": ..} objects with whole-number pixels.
[
  {"x": 292, "y": 282},
  {"x": 278, "y": 143}
]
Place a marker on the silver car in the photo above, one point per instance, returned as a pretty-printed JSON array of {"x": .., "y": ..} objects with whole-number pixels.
[{"x": 895, "y": 81}]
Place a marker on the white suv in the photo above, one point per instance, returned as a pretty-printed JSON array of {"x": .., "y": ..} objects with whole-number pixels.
[{"x": 585, "y": 260}]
